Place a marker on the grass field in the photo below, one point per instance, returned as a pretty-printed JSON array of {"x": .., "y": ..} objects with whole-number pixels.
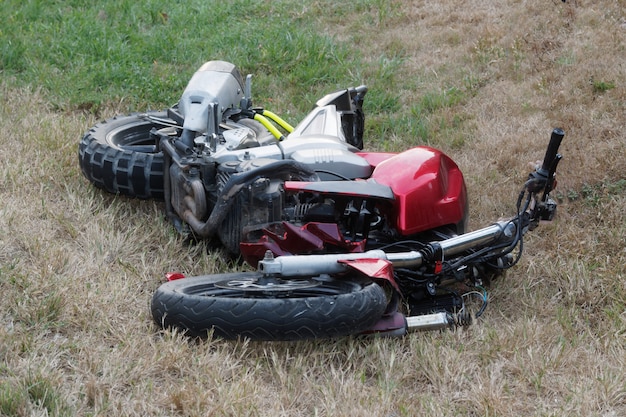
[{"x": 484, "y": 81}]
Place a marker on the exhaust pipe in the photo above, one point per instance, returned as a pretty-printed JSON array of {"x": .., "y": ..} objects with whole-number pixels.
[
  {"x": 397, "y": 324},
  {"x": 435, "y": 321}
]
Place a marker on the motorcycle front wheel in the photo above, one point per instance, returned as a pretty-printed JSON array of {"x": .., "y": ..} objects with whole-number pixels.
[
  {"x": 119, "y": 155},
  {"x": 249, "y": 306}
]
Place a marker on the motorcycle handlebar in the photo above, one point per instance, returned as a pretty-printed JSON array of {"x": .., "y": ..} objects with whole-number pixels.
[
  {"x": 553, "y": 148},
  {"x": 302, "y": 265}
]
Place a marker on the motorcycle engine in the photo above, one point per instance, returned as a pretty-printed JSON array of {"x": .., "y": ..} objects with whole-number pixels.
[
  {"x": 225, "y": 171},
  {"x": 258, "y": 203}
]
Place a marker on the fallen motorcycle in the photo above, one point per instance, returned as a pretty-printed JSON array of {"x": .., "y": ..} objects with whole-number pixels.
[{"x": 345, "y": 241}]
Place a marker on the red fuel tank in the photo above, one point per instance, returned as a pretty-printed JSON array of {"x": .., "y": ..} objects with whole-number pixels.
[{"x": 428, "y": 186}]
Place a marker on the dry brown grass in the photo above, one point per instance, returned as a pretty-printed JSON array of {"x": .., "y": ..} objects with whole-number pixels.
[{"x": 78, "y": 267}]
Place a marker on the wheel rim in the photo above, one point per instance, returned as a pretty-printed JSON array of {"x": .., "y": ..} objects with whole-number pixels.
[
  {"x": 257, "y": 287},
  {"x": 134, "y": 138}
]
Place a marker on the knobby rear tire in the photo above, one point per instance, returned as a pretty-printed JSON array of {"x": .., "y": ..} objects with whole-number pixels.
[
  {"x": 119, "y": 156},
  {"x": 336, "y": 308}
]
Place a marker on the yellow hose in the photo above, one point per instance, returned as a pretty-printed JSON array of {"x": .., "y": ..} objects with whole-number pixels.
[
  {"x": 278, "y": 120},
  {"x": 269, "y": 126}
]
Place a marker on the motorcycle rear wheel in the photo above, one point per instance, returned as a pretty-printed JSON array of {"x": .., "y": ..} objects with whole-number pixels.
[
  {"x": 320, "y": 307},
  {"x": 119, "y": 156}
]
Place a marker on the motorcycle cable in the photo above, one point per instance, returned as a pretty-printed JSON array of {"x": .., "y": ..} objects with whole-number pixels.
[
  {"x": 463, "y": 317},
  {"x": 419, "y": 245},
  {"x": 404, "y": 245},
  {"x": 483, "y": 296},
  {"x": 477, "y": 257},
  {"x": 412, "y": 276},
  {"x": 521, "y": 222}
]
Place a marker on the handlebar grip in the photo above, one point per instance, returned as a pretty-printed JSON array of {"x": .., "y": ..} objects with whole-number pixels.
[{"x": 553, "y": 148}]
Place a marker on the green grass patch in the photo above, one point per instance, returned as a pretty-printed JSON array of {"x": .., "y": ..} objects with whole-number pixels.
[
  {"x": 85, "y": 54},
  {"x": 44, "y": 394},
  {"x": 433, "y": 101},
  {"x": 13, "y": 400},
  {"x": 140, "y": 55},
  {"x": 32, "y": 395},
  {"x": 594, "y": 194},
  {"x": 602, "y": 86}
]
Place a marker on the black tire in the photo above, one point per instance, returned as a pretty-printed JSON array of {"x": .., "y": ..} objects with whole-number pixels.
[
  {"x": 119, "y": 156},
  {"x": 334, "y": 308}
]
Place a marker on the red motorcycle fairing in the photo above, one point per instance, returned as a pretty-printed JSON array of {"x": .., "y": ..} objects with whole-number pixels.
[
  {"x": 288, "y": 239},
  {"x": 428, "y": 187},
  {"x": 424, "y": 186}
]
